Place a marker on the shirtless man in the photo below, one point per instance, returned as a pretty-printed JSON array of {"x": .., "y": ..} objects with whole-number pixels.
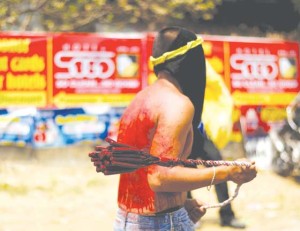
[{"x": 159, "y": 120}]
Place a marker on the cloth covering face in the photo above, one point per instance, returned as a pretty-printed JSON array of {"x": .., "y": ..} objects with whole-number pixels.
[{"x": 189, "y": 70}]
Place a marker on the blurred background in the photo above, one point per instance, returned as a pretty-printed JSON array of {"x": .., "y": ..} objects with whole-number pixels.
[{"x": 69, "y": 68}]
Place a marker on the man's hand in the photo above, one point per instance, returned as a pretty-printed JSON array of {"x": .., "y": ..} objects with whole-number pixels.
[
  {"x": 193, "y": 207},
  {"x": 241, "y": 175}
]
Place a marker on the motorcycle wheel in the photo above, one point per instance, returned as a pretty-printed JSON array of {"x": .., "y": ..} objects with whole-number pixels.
[{"x": 281, "y": 167}]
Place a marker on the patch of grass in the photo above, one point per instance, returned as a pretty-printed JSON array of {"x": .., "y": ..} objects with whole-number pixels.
[
  {"x": 14, "y": 189},
  {"x": 94, "y": 182}
]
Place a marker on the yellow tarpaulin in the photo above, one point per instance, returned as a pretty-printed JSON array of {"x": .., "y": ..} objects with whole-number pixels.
[{"x": 218, "y": 108}]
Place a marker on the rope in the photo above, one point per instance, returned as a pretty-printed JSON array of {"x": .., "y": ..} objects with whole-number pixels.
[
  {"x": 226, "y": 202},
  {"x": 211, "y": 163}
]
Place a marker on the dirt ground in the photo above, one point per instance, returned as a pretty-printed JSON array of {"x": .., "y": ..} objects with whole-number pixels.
[{"x": 59, "y": 190}]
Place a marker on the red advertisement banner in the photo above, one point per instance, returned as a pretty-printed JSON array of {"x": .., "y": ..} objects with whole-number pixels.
[
  {"x": 96, "y": 69},
  {"x": 23, "y": 70},
  {"x": 66, "y": 69},
  {"x": 264, "y": 67},
  {"x": 256, "y": 70}
]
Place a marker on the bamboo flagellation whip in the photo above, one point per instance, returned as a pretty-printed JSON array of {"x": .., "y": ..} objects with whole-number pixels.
[{"x": 118, "y": 158}]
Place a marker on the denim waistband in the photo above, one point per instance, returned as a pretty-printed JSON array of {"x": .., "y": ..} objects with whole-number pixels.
[
  {"x": 177, "y": 220},
  {"x": 175, "y": 216}
]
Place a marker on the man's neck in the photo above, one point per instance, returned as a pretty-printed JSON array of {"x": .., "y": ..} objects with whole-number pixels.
[{"x": 167, "y": 78}]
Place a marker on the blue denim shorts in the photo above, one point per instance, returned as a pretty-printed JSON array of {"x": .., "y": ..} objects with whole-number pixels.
[{"x": 174, "y": 221}]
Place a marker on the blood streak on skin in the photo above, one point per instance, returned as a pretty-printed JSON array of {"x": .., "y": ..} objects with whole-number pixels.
[{"x": 135, "y": 194}]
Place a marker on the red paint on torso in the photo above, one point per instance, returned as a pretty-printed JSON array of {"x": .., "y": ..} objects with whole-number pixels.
[{"x": 136, "y": 128}]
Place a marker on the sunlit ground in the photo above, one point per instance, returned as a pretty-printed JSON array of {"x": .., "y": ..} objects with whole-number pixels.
[{"x": 59, "y": 190}]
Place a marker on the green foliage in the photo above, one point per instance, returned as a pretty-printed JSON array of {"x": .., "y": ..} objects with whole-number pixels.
[
  {"x": 108, "y": 15},
  {"x": 83, "y": 15}
]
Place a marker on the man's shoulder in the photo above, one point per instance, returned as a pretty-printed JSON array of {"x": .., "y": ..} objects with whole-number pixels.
[
  {"x": 180, "y": 101},
  {"x": 164, "y": 98},
  {"x": 178, "y": 106}
]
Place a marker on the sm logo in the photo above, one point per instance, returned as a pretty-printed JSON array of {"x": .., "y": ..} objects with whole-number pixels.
[
  {"x": 254, "y": 66},
  {"x": 89, "y": 64}
]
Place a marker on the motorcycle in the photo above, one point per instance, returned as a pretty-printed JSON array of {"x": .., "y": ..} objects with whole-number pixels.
[{"x": 285, "y": 142}]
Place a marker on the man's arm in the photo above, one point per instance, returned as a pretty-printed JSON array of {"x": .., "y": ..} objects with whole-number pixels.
[{"x": 169, "y": 140}]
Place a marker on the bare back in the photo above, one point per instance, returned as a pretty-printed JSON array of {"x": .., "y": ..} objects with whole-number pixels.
[{"x": 158, "y": 120}]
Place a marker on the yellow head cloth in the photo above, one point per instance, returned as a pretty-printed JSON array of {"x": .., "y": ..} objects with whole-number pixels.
[{"x": 172, "y": 54}]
